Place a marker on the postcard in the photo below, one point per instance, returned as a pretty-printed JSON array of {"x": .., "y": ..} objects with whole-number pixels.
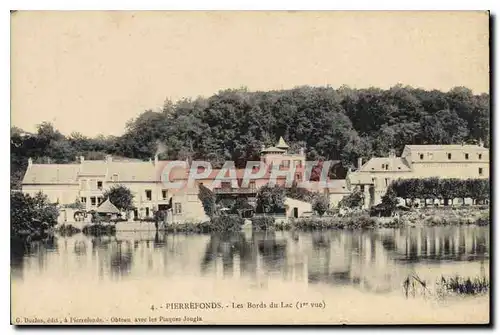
[{"x": 250, "y": 168}]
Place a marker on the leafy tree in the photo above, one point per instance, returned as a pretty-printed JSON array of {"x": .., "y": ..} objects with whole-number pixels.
[
  {"x": 299, "y": 193},
  {"x": 354, "y": 200},
  {"x": 207, "y": 198},
  {"x": 270, "y": 199},
  {"x": 120, "y": 196},
  {"x": 390, "y": 200},
  {"x": 321, "y": 204},
  {"x": 241, "y": 204},
  {"x": 31, "y": 215}
]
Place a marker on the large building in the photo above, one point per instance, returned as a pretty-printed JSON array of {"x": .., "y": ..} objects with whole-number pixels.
[
  {"x": 419, "y": 161},
  {"x": 86, "y": 181}
]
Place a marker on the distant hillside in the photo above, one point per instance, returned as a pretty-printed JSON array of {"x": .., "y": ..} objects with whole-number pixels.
[{"x": 332, "y": 124}]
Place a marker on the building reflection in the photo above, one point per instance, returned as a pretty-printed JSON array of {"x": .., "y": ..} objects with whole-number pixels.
[{"x": 373, "y": 260}]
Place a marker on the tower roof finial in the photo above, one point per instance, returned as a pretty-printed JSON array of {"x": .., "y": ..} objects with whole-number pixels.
[{"x": 282, "y": 144}]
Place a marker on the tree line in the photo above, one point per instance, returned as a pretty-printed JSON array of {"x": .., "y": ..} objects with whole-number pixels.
[
  {"x": 332, "y": 124},
  {"x": 445, "y": 189}
]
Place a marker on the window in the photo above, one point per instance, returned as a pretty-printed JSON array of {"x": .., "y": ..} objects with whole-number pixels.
[
  {"x": 362, "y": 188},
  {"x": 225, "y": 184},
  {"x": 177, "y": 208},
  {"x": 298, "y": 163},
  {"x": 83, "y": 200},
  {"x": 297, "y": 176},
  {"x": 147, "y": 211},
  {"x": 92, "y": 201},
  {"x": 421, "y": 156},
  {"x": 164, "y": 194},
  {"x": 148, "y": 195},
  {"x": 99, "y": 200},
  {"x": 252, "y": 185},
  {"x": 387, "y": 181},
  {"x": 114, "y": 177},
  {"x": 480, "y": 171},
  {"x": 387, "y": 166},
  {"x": 466, "y": 156},
  {"x": 449, "y": 156},
  {"x": 99, "y": 185},
  {"x": 480, "y": 156},
  {"x": 285, "y": 163}
]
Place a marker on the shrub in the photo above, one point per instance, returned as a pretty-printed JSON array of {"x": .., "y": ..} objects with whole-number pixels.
[
  {"x": 263, "y": 222},
  {"x": 31, "y": 214},
  {"x": 226, "y": 223},
  {"x": 99, "y": 229}
]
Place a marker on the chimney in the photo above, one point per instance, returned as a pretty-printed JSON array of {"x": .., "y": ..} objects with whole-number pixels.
[
  {"x": 109, "y": 158},
  {"x": 481, "y": 143},
  {"x": 82, "y": 159},
  {"x": 302, "y": 151},
  {"x": 360, "y": 162},
  {"x": 392, "y": 153},
  {"x": 30, "y": 161},
  {"x": 156, "y": 159}
]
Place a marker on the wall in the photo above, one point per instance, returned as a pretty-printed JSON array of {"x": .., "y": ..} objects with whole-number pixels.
[
  {"x": 302, "y": 206},
  {"x": 64, "y": 194}
]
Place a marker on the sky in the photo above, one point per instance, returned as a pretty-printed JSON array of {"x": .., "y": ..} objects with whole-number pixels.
[{"x": 91, "y": 72}]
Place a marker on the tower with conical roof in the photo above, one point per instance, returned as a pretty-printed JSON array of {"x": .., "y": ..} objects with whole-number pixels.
[{"x": 282, "y": 144}]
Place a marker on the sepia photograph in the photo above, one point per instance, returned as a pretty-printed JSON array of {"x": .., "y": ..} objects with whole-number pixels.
[{"x": 250, "y": 168}]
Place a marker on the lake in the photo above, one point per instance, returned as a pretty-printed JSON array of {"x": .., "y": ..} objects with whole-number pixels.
[{"x": 335, "y": 276}]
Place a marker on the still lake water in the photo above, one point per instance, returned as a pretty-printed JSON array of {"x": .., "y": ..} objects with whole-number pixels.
[{"x": 357, "y": 275}]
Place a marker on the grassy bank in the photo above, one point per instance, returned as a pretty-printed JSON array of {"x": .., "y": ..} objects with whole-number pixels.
[{"x": 447, "y": 216}]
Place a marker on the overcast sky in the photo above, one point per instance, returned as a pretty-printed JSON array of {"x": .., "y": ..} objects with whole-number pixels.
[{"x": 92, "y": 71}]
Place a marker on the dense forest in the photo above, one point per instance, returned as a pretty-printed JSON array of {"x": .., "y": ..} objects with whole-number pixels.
[{"x": 332, "y": 124}]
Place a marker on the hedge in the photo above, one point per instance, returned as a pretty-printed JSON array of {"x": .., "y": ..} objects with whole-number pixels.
[{"x": 446, "y": 188}]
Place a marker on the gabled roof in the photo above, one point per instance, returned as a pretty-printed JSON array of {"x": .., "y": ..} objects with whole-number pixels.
[
  {"x": 377, "y": 164},
  {"x": 132, "y": 171},
  {"x": 92, "y": 168},
  {"x": 108, "y": 207},
  {"x": 51, "y": 174},
  {"x": 282, "y": 144}
]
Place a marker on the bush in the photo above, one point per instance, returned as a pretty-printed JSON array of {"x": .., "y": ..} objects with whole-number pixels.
[
  {"x": 31, "y": 215},
  {"x": 99, "y": 229},
  {"x": 263, "y": 222},
  {"x": 67, "y": 230},
  {"x": 226, "y": 223},
  {"x": 362, "y": 221}
]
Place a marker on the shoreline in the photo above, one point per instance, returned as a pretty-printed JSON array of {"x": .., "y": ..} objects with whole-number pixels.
[{"x": 361, "y": 221}]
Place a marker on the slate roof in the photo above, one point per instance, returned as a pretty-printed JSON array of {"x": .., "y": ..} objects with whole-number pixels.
[
  {"x": 93, "y": 168},
  {"x": 132, "y": 172},
  {"x": 108, "y": 207},
  {"x": 377, "y": 164},
  {"x": 282, "y": 144},
  {"x": 51, "y": 174}
]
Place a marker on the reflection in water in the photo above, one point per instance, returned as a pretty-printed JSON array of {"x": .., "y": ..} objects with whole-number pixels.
[{"x": 375, "y": 261}]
